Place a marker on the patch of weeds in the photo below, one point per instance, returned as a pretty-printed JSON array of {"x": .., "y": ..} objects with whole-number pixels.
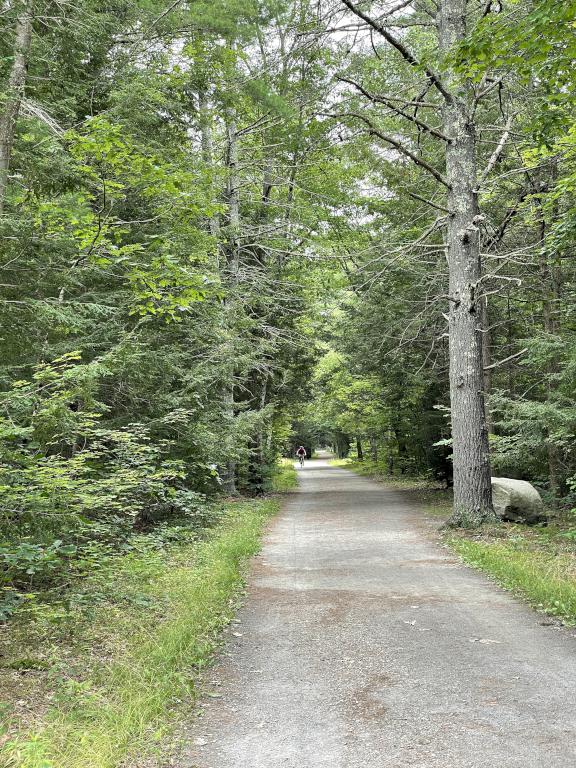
[
  {"x": 436, "y": 502},
  {"x": 123, "y": 653},
  {"x": 25, "y": 664},
  {"x": 365, "y": 468}
]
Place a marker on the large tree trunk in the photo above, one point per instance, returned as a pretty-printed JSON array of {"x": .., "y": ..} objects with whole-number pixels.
[
  {"x": 14, "y": 92},
  {"x": 233, "y": 195},
  {"x": 373, "y": 448},
  {"x": 257, "y": 475},
  {"x": 389, "y": 449},
  {"x": 228, "y": 471},
  {"x": 342, "y": 445},
  {"x": 472, "y": 487},
  {"x": 549, "y": 294},
  {"x": 232, "y": 279}
]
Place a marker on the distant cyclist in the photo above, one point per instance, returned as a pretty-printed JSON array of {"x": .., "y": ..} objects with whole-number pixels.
[{"x": 301, "y": 453}]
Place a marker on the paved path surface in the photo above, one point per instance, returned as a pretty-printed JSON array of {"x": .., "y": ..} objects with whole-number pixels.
[{"x": 363, "y": 644}]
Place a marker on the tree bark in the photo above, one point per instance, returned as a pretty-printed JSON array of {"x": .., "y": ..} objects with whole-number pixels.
[
  {"x": 390, "y": 452},
  {"x": 232, "y": 279},
  {"x": 342, "y": 445},
  {"x": 233, "y": 196},
  {"x": 472, "y": 485},
  {"x": 359, "y": 451},
  {"x": 14, "y": 92},
  {"x": 257, "y": 474},
  {"x": 205, "y": 122},
  {"x": 550, "y": 295}
]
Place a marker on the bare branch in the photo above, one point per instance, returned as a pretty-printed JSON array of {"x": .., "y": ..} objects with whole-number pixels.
[
  {"x": 497, "y": 152},
  {"x": 401, "y": 48},
  {"x": 506, "y": 359},
  {"x": 438, "y": 224},
  {"x": 399, "y": 7},
  {"x": 32, "y": 109},
  {"x": 487, "y": 90},
  {"x": 412, "y": 103},
  {"x": 492, "y": 7},
  {"x": 373, "y": 131},
  {"x": 429, "y": 202},
  {"x": 410, "y": 24},
  {"x": 383, "y": 100},
  {"x": 484, "y": 278}
]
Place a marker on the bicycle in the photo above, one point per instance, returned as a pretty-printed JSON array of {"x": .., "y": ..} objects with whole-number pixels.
[{"x": 301, "y": 459}]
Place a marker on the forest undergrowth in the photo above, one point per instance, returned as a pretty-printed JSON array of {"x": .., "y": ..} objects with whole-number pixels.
[
  {"x": 103, "y": 673},
  {"x": 536, "y": 563}
]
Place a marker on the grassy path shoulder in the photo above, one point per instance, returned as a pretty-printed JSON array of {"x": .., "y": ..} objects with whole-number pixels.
[
  {"x": 105, "y": 686},
  {"x": 537, "y": 564}
]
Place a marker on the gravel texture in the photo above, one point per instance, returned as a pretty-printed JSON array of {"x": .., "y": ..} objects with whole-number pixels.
[{"x": 364, "y": 644}]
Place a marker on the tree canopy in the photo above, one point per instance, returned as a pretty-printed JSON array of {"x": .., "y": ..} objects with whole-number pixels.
[{"x": 228, "y": 228}]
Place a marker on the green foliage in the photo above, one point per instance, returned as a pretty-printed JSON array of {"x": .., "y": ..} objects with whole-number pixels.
[
  {"x": 127, "y": 699},
  {"x": 285, "y": 478},
  {"x": 67, "y": 481},
  {"x": 116, "y": 241},
  {"x": 201, "y": 267},
  {"x": 535, "y": 42}
]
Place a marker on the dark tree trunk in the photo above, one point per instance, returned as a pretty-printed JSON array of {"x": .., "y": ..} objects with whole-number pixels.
[
  {"x": 390, "y": 457},
  {"x": 487, "y": 362},
  {"x": 550, "y": 295},
  {"x": 359, "y": 450},
  {"x": 205, "y": 122},
  {"x": 342, "y": 445},
  {"x": 257, "y": 474},
  {"x": 402, "y": 450}
]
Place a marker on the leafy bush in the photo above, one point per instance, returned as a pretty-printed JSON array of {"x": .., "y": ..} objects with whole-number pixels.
[
  {"x": 67, "y": 482},
  {"x": 33, "y": 560}
]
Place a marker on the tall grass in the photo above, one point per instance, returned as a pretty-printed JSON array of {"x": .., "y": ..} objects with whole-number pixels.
[{"x": 126, "y": 706}]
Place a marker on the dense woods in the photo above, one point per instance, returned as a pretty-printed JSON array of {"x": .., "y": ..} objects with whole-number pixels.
[{"x": 228, "y": 228}]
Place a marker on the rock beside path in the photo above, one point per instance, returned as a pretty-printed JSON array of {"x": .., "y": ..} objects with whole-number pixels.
[{"x": 517, "y": 501}]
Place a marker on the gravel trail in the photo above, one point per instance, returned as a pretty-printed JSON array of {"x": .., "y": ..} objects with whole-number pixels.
[{"x": 364, "y": 644}]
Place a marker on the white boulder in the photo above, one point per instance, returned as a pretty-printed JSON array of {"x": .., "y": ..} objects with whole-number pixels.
[{"x": 517, "y": 501}]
